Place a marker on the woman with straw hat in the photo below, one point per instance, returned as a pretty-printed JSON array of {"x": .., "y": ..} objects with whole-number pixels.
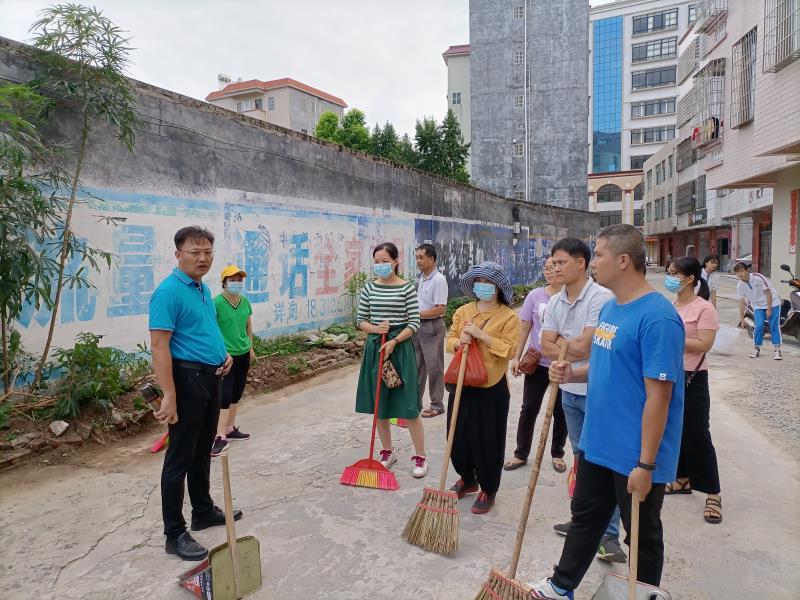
[
  {"x": 489, "y": 322},
  {"x": 234, "y": 317}
]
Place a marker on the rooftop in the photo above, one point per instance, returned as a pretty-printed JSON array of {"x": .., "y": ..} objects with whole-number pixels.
[
  {"x": 459, "y": 50},
  {"x": 256, "y": 84}
]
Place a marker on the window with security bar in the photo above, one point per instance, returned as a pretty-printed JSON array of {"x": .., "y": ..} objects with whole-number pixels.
[
  {"x": 688, "y": 61},
  {"x": 686, "y": 155},
  {"x": 685, "y": 108},
  {"x": 709, "y": 88},
  {"x": 743, "y": 80},
  {"x": 685, "y": 198},
  {"x": 781, "y": 34}
]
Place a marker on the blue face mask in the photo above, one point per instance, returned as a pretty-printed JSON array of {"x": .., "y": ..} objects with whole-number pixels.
[
  {"x": 484, "y": 291},
  {"x": 673, "y": 284},
  {"x": 235, "y": 287},
  {"x": 383, "y": 270}
]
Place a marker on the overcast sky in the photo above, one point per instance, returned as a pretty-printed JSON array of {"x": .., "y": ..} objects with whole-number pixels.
[{"x": 382, "y": 56}]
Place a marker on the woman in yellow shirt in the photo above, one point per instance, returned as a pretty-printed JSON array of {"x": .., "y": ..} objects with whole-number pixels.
[{"x": 480, "y": 440}]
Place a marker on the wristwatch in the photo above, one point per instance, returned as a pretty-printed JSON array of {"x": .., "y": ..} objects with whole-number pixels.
[{"x": 646, "y": 466}]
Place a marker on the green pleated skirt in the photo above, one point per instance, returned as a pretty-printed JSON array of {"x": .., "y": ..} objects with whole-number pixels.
[{"x": 402, "y": 402}]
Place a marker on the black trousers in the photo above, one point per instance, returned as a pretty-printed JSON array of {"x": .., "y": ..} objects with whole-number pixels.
[
  {"x": 479, "y": 444},
  {"x": 233, "y": 383},
  {"x": 698, "y": 459},
  {"x": 533, "y": 393},
  {"x": 597, "y": 491},
  {"x": 190, "y": 439}
]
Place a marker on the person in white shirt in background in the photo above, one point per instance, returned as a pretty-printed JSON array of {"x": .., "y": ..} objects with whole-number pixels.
[
  {"x": 429, "y": 339},
  {"x": 712, "y": 276},
  {"x": 763, "y": 297}
]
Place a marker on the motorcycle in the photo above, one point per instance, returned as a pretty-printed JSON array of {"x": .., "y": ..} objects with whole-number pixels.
[{"x": 790, "y": 310}]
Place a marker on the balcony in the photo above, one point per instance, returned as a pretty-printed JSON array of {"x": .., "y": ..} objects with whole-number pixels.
[
  {"x": 709, "y": 93},
  {"x": 708, "y": 12},
  {"x": 688, "y": 61}
]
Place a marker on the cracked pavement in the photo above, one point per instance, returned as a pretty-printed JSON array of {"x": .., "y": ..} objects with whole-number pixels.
[{"x": 93, "y": 532}]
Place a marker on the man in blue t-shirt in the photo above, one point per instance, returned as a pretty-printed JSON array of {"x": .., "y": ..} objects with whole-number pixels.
[
  {"x": 634, "y": 414},
  {"x": 189, "y": 360}
]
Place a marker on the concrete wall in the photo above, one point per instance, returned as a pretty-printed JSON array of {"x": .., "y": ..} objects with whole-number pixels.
[
  {"x": 556, "y": 47},
  {"x": 458, "y": 81},
  {"x": 784, "y": 220},
  {"x": 300, "y": 215},
  {"x": 305, "y": 110}
]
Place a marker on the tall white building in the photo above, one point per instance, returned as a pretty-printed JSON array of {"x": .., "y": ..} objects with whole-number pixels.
[
  {"x": 456, "y": 58},
  {"x": 633, "y": 80}
]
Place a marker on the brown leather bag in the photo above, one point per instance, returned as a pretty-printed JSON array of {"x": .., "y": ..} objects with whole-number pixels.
[
  {"x": 530, "y": 361},
  {"x": 390, "y": 375}
]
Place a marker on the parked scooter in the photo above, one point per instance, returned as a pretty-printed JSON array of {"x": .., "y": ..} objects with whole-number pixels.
[{"x": 790, "y": 310}]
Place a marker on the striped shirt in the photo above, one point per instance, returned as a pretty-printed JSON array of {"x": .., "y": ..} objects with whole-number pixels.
[{"x": 394, "y": 303}]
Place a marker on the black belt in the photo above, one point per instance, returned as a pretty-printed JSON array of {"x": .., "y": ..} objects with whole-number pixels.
[
  {"x": 196, "y": 366},
  {"x": 433, "y": 319}
]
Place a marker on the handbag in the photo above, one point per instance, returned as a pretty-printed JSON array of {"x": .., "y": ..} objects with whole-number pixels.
[
  {"x": 391, "y": 378},
  {"x": 475, "y": 374},
  {"x": 530, "y": 361},
  {"x": 691, "y": 376}
]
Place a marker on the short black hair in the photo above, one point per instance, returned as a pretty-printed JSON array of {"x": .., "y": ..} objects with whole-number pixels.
[
  {"x": 428, "y": 249},
  {"x": 575, "y": 248},
  {"x": 627, "y": 239},
  {"x": 709, "y": 258},
  {"x": 740, "y": 266},
  {"x": 192, "y": 232}
]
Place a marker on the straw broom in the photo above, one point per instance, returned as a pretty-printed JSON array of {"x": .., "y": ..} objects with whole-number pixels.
[
  {"x": 369, "y": 472},
  {"x": 500, "y": 586},
  {"x": 433, "y": 526}
]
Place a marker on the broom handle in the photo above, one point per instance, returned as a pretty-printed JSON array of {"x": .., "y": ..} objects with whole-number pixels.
[
  {"x": 229, "y": 524},
  {"x": 377, "y": 396},
  {"x": 537, "y": 464},
  {"x": 454, "y": 415},
  {"x": 633, "y": 561}
]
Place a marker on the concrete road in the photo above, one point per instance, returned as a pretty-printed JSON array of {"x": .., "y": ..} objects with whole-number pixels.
[{"x": 93, "y": 531}]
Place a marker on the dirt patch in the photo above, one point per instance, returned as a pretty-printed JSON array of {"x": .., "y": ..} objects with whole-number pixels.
[{"x": 29, "y": 438}]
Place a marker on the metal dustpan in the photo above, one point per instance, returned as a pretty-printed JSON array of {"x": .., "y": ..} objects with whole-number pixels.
[
  {"x": 616, "y": 587},
  {"x": 231, "y": 571}
]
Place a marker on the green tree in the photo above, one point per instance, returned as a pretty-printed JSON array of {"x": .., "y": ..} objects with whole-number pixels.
[
  {"x": 428, "y": 141},
  {"x": 405, "y": 154},
  {"x": 385, "y": 142},
  {"x": 83, "y": 58},
  {"x": 354, "y": 133},
  {"x": 28, "y": 217},
  {"x": 327, "y": 125},
  {"x": 454, "y": 150}
]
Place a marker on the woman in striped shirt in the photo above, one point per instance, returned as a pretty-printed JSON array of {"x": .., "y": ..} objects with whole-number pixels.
[{"x": 388, "y": 305}]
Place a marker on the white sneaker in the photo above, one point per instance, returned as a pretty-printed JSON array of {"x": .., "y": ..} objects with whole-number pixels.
[
  {"x": 420, "y": 466},
  {"x": 388, "y": 457},
  {"x": 777, "y": 355},
  {"x": 756, "y": 352},
  {"x": 544, "y": 590}
]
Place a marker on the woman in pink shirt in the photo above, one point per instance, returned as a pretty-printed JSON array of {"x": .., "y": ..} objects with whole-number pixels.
[
  {"x": 697, "y": 465},
  {"x": 532, "y": 317}
]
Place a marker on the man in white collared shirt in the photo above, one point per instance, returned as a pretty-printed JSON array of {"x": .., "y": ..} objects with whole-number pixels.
[
  {"x": 429, "y": 340},
  {"x": 573, "y": 314}
]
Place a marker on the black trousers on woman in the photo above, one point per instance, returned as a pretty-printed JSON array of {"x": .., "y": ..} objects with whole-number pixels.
[
  {"x": 479, "y": 444},
  {"x": 533, "y": 394},
  {"x": 698, "y": 459}
]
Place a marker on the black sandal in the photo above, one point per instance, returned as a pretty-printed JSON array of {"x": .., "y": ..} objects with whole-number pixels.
[
  {"x": 713, "y": 510},
  {"x": 676, "y": 487}
]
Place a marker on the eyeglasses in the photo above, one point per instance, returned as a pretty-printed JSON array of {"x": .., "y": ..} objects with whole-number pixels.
[{"x": 195, "y": 254}]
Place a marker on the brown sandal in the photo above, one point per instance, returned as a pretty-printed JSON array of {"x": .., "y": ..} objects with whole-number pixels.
[
  {"x": 514, "y": 463},
  {"x": 431, "y": 412},
  {"x": 678, "y": 487},
  {"x": 713, "y": 510},
  {"x": 559, "y": 465}
]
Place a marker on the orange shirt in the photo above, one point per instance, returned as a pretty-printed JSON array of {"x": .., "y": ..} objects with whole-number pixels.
[{"x": 503, "y": 327}]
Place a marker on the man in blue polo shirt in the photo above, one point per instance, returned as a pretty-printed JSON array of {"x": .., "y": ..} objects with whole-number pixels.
[
  {"x": 189, "y": 360},
  {"x": 634, "y": 414}
]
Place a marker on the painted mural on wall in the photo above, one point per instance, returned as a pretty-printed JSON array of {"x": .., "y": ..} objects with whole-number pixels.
[{"x": 298, "y": 255}]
